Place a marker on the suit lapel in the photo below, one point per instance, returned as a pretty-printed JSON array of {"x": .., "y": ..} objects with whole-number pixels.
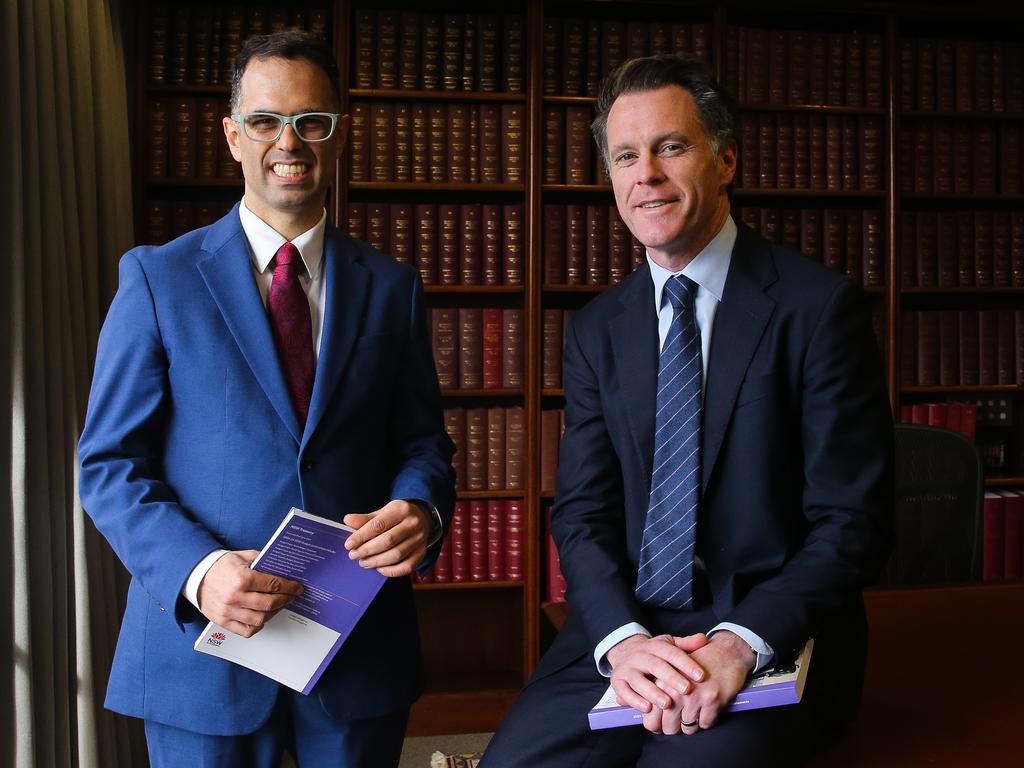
[
  {"x": 634, "y": 336},
  {"x": 739, "y": 324},
  {"x": 227, "y": 273},
  {"x": 345, "y": 297}
]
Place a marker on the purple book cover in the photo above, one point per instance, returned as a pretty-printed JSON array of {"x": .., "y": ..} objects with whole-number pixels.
[
  {"x": 769, "y": 689},
  {"x": 296, "y": 646}
]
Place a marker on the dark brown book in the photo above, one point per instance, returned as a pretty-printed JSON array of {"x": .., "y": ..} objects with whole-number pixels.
[
  {"x": 984, "y": 264},
  {"x": 444, "y": 338},
  {"x": 200, "y": 44},
  {"x": 945, "y": 75},
  {"x": 593, "y": 71},
  {"x": 906, "y": 74},
  {"x": 791, "y": 228},
  {"x": 458, "y": 535},
  {"x": 810, "y": 233},
  {"x": 474, "y": 143},
  {"x": 551, "y": 349},
  {"x": 177, "y": 73},
  {"x": 492, "y": 351},
  {"x": 833, "y": 152},
  {"x": 988, "y": 347},
  {"x": 817, "y": 68},
  {"x": 597, "y": 244},
  {"x": 159, "y": 42},
  {"x": 183, "y": 137},
  {"x": 455, "y": 426},
  {"x": 1002, "y": 270},
  {"x": 386, "y": 54},
  {"x": 515, "y": 442},
  {"x": 1018, "y": 324},
  {"x": 750, "y": 142},
  {"x": 850, "y": 154},
  {"x": 555, "y": 139},
  {"x": 908, "y": 348},
  {"x": 402, "y": 228},
  {"x": 870, "y": 154},
  {"x": 1013, "y": 77},
  {"x": 554, "y": 244},
  {"x": 700, "y": 44},
  {"x": 927, "y": 251},
  {"x": 1006, "y": 345},
  {"x": 983, "y": 75},
  {"x": 493, "y": 227},
  {"x": 638, "y": 39},
  {"x": 549, "y": 438},
  {"x": 797, "y": 67},
  {"x": 613, "y": 46},
  {"x": 578, "y": 143},
  {"x": 756, "y": 59},
  {"x": 949, "y": 348},
  {"x": 874, "y": 87},
  {"x": 211, "y": 134},
  {"x": 182, "y": 218},
  {"x": 158, "y": 222},
  {"x": 777, "y": 61},
  {"x": 449, "y": 231},
  {"x": 382, "y": 141},
  {"x": 1017, "y": 249},
  {"x": 928, "y": 348},
  {"x": 513, "y": 54},
  {"x": 834, "y": 241},
  {"x": 942, "y": 157},
  {"x": 963, "y": 159},
  {"x": 359, "y": 141},
  {"x": 836, "y": 69},
  {"x": 771, "y": 224},
  {"x": 378, "y": 226},
  {"x": 515, "y": 248},
  {"x": 618, "y": 247},
  {"x": 489, "y": 32},
  {"x": 573, "y": 55},
  {"x": 964, "y": 75},
  {"x": 767, "y": 145},
  {"x": 469, "y": 52},
  {"x": 874, "y": 250},
  {"x": 232, "y": 34},
  {"x": 513, "y": 140},
  {"x": 1009, "y": 159},
  {"x": 512, "y": 349},
  {"x": 426, "y": 242},
  {"x": 409, "y": 54},
  {"x": 784, "y": 160},
  {"x": 158, "y": 150},
  {"x": 818, "y": 154},
  {"x": 458, "y": 143},
  {"x": 432, "y": 47},
  {"x": 946, "y": 242},
  {"x": 731, "y": 62},
  {"x": 854, "y": 247},
  {"x": 356, "y": 220},
  {"x": 576, "y": 244},
  {"x": 965, "y": 247},
  {"x": 984, "y": 158},
  {"x": 906, "y": 249},
  {"x": 490, "y": 144},
  {"x": 470, "y": 348},
  {"x": 403, "y": 161},
  {"x": 970, "y": 374},
  {"x": 438, "y": 143},
  {"x": 905, "y": 159},
  {"x": 476, "y": 449},
  {"x": 926, "y": 74},
  {"x": 451, "y": 52},
  {"x": 661, "y": 38},
  {"x": 923, "y": 169},
  {"x": 365, "y": 48},
  {"x": 854, "y": 74},
  {"x": 551, "y": 57}
]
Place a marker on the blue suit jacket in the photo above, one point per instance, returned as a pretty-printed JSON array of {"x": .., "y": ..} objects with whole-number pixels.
[
  {"x": 191, "y": 443},
  {"x": 796, "y": 460}
]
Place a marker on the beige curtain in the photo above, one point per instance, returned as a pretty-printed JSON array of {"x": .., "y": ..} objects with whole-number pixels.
[{"x": 65, "y": 217}]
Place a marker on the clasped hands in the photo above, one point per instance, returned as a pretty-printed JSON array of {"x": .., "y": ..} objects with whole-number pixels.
[
  {"x": 392, "y": 539},
  {"x": 681, "y": 684}
]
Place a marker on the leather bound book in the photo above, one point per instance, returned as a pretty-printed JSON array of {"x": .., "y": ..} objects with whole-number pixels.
[
  {"x": 515, "y": 440},
  {"x": 926, "y": 74},
  {"x": 963, "y": 159},
  {"x": 661, "y": 38},
  {"x": 1017, "y": 249},
  {"x": 403, "y": 141},
  {"x": 551, "y": 349},
  {"x": 1005, "y": 344},
  {"x": 984, "y": 262},
  {"x": 458, "y": 143},
  {"x": 495, "y": 540},
  {"x": 701, "y": 41},
  {"x": 183, "y": 136},
  {"x": 442, "y": 570},
  {"x": 576, "y": 244},
  {"x": 750, "y": 142},
  {"x": 756, "y": 75},
  {"x": 638, "y": 253},
  {"x": 493, "y": 227},
  {"x": 731, "y": 62},
  {"x": 514, "y": 250},
  {"x": 432, "y": 51},
  {"x": 470, "y": 46},
  {"x": 512, "y": 348},
  {"x": 387, "y": 49},
  {"x": 870, "y": 151},
  {"x": 906, "y": 74},
  {"x": 923, "y": 169},
  {"x": 476, "y": 449},
  {"x": 906, "y": 230},
  {"x": 551, "y": 57},
  {"x": 158, "y": 222},
  {"x": 791, "y": 228},
  {"x": 818, "y": 69},
  {"x": 495, "y": 447},
  {"x": 359, "y": 141},
  {"x": 1001, "y": 264},
  {"x": 513, "y": 140},
  {"x": 232, "y": 32},
  {"x": 928, "y": 348},
  {"x": 549, "y": 439},
  {"x": 451, "y": 52},
  {"x": 771, "y": 224},
  {"x": 455, "y": 426},
  {"x": 378, "y": 226},
  {"x": 1018, "y": 324},
  {"x": 835, "y": 85},
  {"x": 982, "y": 75},
  {"x": 366, "y": 49},
  {"x": 833, "y": 255},
  {"x": 965, "y": 247},
  {"x": 964, "y": 75},
  {"x": 382, "y": 141},
  {"x": 854, "y": 87},
  {"x": 854, "y": 247},
  {"x": 159, "y": 42},
  {"x": 438, "y": 143},
  {"x": 515, "y": 537},
  {"x": 492, "y": 350},
  {"x": 1013, "y": 76},
  {"x": 449, "y": 243},
  {"x": 833, "y": 152},
  {"x": 211, "y": 134},
  {"x": 927, "y": 250},
  {"x": 874, "y": 259},
  {"x": 784, "y": 152},
  {"x": 905, "y": 159},
  {"x": 555, "y": 139},
  {"x": 158, "y": 149},
  {"x": 597, "y": 244},
  {"x": 613, "y": 46},
  {"x": 470, "y": 348},
  {"x": 908, "y": 346},
  {"x": 578, "y": 143},
  {"x": 444, "y": 337},
  {"x": 573, "y": 55},
  {"x": 554, "y": 244},
  {"x": 942, "y": 157},
  {"x": 180, "y": 22},
  {"x": 818, "y": 154},
  {"x": 946, "y": 243},
  {"x": 970, "y": 353},
  {"x": 314, "y": 20},
  {"x": 618, "y": 247},
  {"x": 402, "y": 229},
  {"x": 638, "y": 39},
  {"x": 988, "y": 347},
  {"x": 874, "y": 84},
  {"x": 798, "y": 54},
  {"x": 409, "y": 54},
  {"x": 477, "y": 541},
  {"x": 777, "y": 61},
  {"x": 593, "y": 70},
  {"x": 490, "y": 144},
  {"x": 767, "y": 145},
  {"x": 949, "y": 348},
  {"x": 514, "y": 54},
  {"x": 810, "y": 234},
  {"x": 984, "y": 159},
  {"x": 850, "y": 154},
  {"x": 1009, "y": 159},
  {"x": 426, "y": 242},
  {"x": 459, "y": 537},
  {"x": 751, "y": 216},
  {"x": 199, "y": 49},
  {"x": 474, "y": 143},
  {"x": 945, "y": 75},
  {"x": 489, "y": 31}
]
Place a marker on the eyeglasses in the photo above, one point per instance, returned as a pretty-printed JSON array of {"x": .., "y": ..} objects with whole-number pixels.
[{"x": 268, "y": 126}]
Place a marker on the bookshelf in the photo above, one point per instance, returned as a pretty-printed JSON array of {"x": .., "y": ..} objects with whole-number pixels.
[{"x": 470, "y": 158}]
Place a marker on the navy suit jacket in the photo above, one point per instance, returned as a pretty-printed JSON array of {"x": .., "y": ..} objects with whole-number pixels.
[
  {"x": 192, "y": 444},
  {"x": 795, "y": 506}
]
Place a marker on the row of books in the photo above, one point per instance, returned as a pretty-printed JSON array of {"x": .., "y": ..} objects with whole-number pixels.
[
  {"x": 429, "y": 51},
  {"x": 570, "y": 155},
  {"x": 554, "y": 324},
  {"x": 960, "y": 417},
  {"x": 827, "y": 152},
  {"x": 198, "y": 43},
  {"x": 953, "y": 75},
  {"x": 1002, "y": 548},
  {"x": 168, "y": 219},
  {"x": 587, "y": 245},
  {"x": 780, "y": 66},
  {"x": 484, "y": 543},
  {"x": 962, "y": 347},
  {"x": 488, "y": 448},
  {"x": 552, "y": 425},
  {"x": 186, "y": 139},
  {"x": 849, "y": 241},
  {"x": 455, "y": 143},
  {"x": 949, "y": 249},
  {"x": 449, "y": 243},
  {"x": 957, "y": 157},
  {"x": 578, "y": 53},
  {"x": 477, "y": 348}
]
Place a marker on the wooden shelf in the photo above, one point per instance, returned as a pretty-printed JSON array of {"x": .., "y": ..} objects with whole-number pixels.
[
  {"x": 831, "y": 194},
  {"x": 996, "y": 481},
  {"x": 470, "y": 495},
  {"x": 549, "y": 288},
  {"x": 553, "y": 392},
  {"x": 965, "y": 291},
  {"x": 472, "y": 711},
  {"x": 965, "y": 197},
  {"x": 470, "y": 289},
  {"x": 455, "y": 392},
  {"x": 1006, "y": 116},
  {"x": 431, "y": 186},
  {"x": 583, "y": 101},
  {"x": 589, "y": 188},
  {"x": 460, "y": 585},
  {"x": 917, "y": 389},
  {"x": 190, "y": 89},
  {"x": 188, "y": 182},
  {"x": 396, "y": 94},
  {"x": 814, "y": 109}
]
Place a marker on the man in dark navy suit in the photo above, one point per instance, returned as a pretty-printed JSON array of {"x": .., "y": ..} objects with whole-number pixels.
[{"x": 724, "y": 480}]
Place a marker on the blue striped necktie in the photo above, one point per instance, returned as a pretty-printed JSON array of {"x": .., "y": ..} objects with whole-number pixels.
[{"x": 665, "y": 576}]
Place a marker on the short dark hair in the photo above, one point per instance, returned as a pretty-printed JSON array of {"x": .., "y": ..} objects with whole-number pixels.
[
  {"x": 716, "y": 107},
  {"x": 286, "y": 44}
]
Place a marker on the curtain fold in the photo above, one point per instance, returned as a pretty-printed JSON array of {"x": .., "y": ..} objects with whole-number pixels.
[{"x": 66, "y": 215}]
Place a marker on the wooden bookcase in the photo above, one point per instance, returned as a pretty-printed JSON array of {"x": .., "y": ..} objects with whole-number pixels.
[{"x": 481, "y": 639}]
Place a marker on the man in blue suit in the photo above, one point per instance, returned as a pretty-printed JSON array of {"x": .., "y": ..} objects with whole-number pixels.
[
  {"x": 264, "y": 362},
  {"x": 724, "y": 480}
]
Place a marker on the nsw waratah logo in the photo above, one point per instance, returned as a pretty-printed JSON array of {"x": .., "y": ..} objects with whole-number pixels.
[{"x": 217, "y": 638}]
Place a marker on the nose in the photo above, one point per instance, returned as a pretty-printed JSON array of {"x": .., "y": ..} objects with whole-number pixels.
[
  {"x": 648, "y": 169},
  {"x": 288, "y": 140}
]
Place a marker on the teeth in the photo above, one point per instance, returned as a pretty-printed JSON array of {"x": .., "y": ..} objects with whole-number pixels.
[
  {"x": 655, "y": 204},
  {"x": 282, "y": 169}
]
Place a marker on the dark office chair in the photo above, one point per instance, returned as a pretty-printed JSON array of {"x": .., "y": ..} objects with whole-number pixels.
[{"x": 937, "y": 525}]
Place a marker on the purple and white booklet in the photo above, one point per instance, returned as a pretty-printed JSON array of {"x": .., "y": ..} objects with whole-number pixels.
[
  {"x": 768, "y": 689},
  {"x": 296, "y": 646}
]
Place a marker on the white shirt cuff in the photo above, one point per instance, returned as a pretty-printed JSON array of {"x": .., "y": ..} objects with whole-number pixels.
[
  {"x": 764, "y": 652},
  {"x": 613, "y": 639},
  {"x": 191, "y": 588}
]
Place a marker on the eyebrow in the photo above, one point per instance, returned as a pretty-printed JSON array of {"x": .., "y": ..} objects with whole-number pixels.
[
  {"x": 668, "y": 136},
  {"x": 303, "y": 111}
]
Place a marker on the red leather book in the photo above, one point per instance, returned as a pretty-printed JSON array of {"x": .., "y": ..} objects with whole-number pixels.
[
  {"x": 378, "y": 226},
  {"x": 555, "y": 580},
  {"x": 495, "y": 540},
  {"x": 618, "y": 246},
  {"x": 927, "y": 251},
  {"x": 988, "y": 347},
  {"x": 919, "y": 413},
  {"x": 798, "y": 53},
  {"x": 426, "y": 241},
  {"x": 455, "y": 426},
  {"x": 551, "y": 349},
  {"x": 478, "y": 541},
  {"x": 458, "y": 143},
  {"x": 386, "y": 52},
  {"x": 496, "y": 437},
  {"x": 554, "y": 243},
  {"x": 402, "y": 229},
  {"x": 984, "y": 266},
  {"x": 493, "y": 223},
  {"x": 515, "y": 442},
  {"x": 403, "y": 161},
  {"x": 438, "y": 143},
  {"x": 514, "y": 54},
  {"x": 408, "y": 51},
  {"x": 551, "y": 77},
  {"x": 970, "y": 353},
  {"x": 512, "y": 348},
  {"x": 576, "y": 244},
  {"x": 445, "y": 342},
  {"x": 928, "y": 348},
  {"x": 470, "y": 348},
  {"x": 382, "y": 141},
  {"x": 514, "y": 247},
  {"x": 489, "y": 33},
  {"x": 459, "y": 537},
  {"x": 965, "y": 247},
  {"x": 513, "y": 139},
  {"x": 954, "y": 414},
  {"x": 443, "y": 565},
  {"x": 784, "y": 151},
  {"x": 993, "y": 545},
  {"x": 969, "y": 420},
  {"x": 420, "y": 142},
  {"x": 836, "y": 74},
  {"x": 476, "y": 449},
  {"x": 515, "y": 537},
  {"x": 949, "y": 348},
  {"x": 573, "y": 52},
  {"x": 432, "y": 51},
  {"x": 492, "y": 350},
  {"x": 471, "y": 244},
  {"x": 937, "y": 415},
  {"x": 1013, "y": 532},
  {"x": 597, "y": 244},
  {"x": 449, "y": 236}
]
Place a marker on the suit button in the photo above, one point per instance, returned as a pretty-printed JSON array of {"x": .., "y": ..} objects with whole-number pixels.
[{"x": 307, "y": 466}]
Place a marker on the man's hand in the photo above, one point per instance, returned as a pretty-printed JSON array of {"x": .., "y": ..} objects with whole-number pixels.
[
  {"x": 238, "y": 598},
  {"x": 638, "y": 662},
  {"x": 393, "y": 539}
]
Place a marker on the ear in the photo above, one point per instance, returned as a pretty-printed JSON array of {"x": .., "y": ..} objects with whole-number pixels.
[
  {"x": 727, "y": 163},
  {"x": 231, "y": 133},
  {"x": 341, "y": 132}
]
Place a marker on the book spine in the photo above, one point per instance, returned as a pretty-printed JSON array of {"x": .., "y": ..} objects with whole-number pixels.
[{"x": 496, "y": 437}]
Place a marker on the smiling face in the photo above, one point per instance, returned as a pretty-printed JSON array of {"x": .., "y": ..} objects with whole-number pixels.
[
  {"x": 286, "y": 180},
  {"x": 670, "y": 186}
]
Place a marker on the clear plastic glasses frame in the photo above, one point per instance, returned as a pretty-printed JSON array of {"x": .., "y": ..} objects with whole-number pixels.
[{"x": 295, "y": 121}]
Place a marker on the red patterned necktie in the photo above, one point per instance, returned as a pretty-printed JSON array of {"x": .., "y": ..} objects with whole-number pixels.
[{"x": 292, "y": 328}]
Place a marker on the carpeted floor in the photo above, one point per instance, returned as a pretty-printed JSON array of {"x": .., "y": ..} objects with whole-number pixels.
[{"x": 418, "y": 749}]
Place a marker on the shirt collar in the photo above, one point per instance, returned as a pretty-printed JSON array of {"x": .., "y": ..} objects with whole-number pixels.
[
  {"x": 264, "y": 241},
  {"x": 708, "y": 269}
]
